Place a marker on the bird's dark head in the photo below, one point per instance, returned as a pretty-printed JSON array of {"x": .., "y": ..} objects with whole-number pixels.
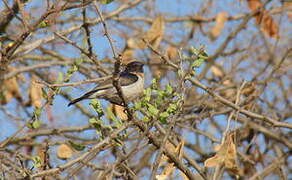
[{"x": 135, "y": 66}]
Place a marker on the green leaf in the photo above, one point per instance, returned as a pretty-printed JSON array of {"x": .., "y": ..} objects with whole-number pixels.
[
  {"x": 36, "y": 124},
  {"x": 180, "y": 73},
  {"x": 138, "y": 105},
  {"x": 72, "y": 69},
  {"x": 163, "y": 117},
  {"x": 145, "y": 119},
  {"x": 43, "y": 24},
  {"x": 169, "y": 89},
  {"x": 110, "y": 115},
  {"x": 37, "y": 112},
  {"x": 147, "y": 94},
  {"x": 106, "y": 1},
  {"x": 154, "y": 84},
  {"x": 60, "y": 77},
  {"x": 78, "y": 61},
  {"x": 171, "y": 108},
  {"x": 197, "y": 63},
  {"x": 152, "y": 109},
  {"x": 37, "y": 162},
  {"x": 96, "y": 105},
  {"x": 194, "y": 51},
  {"x": 97, "y": 123},
  {"x": 165, "y": 114},
  {"x": 76, "y": 146}
]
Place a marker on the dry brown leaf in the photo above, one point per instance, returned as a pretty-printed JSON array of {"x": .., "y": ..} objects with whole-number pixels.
[
  {"x": 169, "y": 168},
  {"x": 132, "y": 43},
  {"x": 127, "y": 55},
  {"x": 11, "y": 89},
  {"x": 171, "y": 53},
  {"x": 268, "y": 25},
  {"x": 179, "y": 149},
  {"x": 42, "y": 153},
  {"x": 288, "y": 5},
  {"x": 229, "y": 92},
  {"x": 158, "y": 68},
  {"x": 248, "y": 89},
  {"x": 191, "y": 96},
  {"x": 35, "y": 92},
  {"x": 230, "y": 157},
  {"x": 119, "y": 111},
  {"x": 220, "y": 21},
  {"x": 64, "y": 151},
  {"x": 161, "y": 177},
  {"x": 264, "y": 19},
  {"x": 213, "y": 161},
  {"x": 166, "y": 172},
  {"x": 226, "y": 155},
  {"x": 254, "y": 4},
  {"x": 217, "y": 72},
  {"x": 154, "y": 34},
  {"x": 170, "y": 147}
]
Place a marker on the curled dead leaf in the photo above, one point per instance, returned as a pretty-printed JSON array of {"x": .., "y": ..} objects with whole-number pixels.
[{"x": 225, "y": 155}]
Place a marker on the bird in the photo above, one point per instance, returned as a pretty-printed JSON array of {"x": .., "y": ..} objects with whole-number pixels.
[{"x": 131, "y": 81}]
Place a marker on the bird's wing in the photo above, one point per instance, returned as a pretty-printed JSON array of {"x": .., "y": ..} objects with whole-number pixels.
[{"x": 125, "y": 80}]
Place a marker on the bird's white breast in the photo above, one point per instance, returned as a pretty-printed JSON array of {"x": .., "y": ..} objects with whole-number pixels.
[{"x": 133, "y": 91}]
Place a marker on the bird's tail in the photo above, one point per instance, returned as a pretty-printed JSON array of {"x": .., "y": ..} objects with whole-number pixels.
[
  {"x": 85, "y": 96},
  {"x": 76, "y": 100}
]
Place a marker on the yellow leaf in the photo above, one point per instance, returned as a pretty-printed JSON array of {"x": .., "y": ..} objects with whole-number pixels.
[{"x": 64, "y": 151}]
